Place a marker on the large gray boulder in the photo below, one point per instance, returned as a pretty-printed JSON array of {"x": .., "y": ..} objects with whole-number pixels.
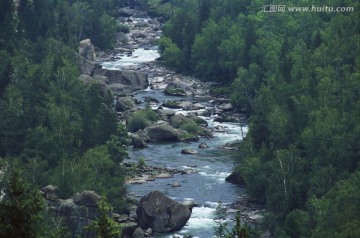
[
  {"x": 51, "y": 192},
  {"x": 161, "y": 213},
  {"x": 124, "y": 104},
  {"x": 124, "y": 81},
  {"x": 139, "y": 139},
  {"x": 87, "y": 50},
  {"x": 87, "y": 198},
  {"x": 162, "y": 133},
  {"x": 138, "y": 142},
  {"x": 87, "y": 66},
  {"x": 128, "y": 12},
  {"x": 177, "y": 89},
  {"x": 178, "y": 120},
  {"x": 86, "y": 57}
]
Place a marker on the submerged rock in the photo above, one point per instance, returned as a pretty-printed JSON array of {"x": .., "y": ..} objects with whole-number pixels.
[
  {"x": 189, "y": 152},
  {"x": 175, "y": 184},
  {"x": 161, "y": 213},
  {"x": 203, "y": 146},
  {"x": 235, "y": 178}
]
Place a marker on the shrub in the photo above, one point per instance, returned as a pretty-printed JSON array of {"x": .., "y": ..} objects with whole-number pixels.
[
  {"x": 220, "y": 90},
  {"x": 141, "y": 162},
  {"x": 123, "y": 28},
  {"x": 141, "y": 119},
  {"x": 191, "y": 127},
  {"x": 136, "y": 122},
  {"x": 150, "y": 114}
]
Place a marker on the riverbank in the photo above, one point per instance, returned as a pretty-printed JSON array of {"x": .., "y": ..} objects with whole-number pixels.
[{"x": 199, "y": 176}]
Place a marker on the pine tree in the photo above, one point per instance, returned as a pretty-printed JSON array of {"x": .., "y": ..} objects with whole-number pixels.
[
  {"x": 104, "y": 225},
  {"x": 20, "y": 208}
]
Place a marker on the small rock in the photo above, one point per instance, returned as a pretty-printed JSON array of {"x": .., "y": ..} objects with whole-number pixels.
[
  {"x": 227, "y": 107},
  {"x": 188, "y": 152},
  {"x": 138, "y": 233},
  {"x": 175, "y": 184},
  {"x": 189, "y": 203},
  {"x": 198, "y": 106},
  {"x": 164, "y": 175},
  {"x": 122, "y": 218},
  {"x": 203, "y": 146}
]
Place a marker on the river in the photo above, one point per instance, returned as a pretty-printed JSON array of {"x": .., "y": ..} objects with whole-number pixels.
[{"x": 207, "y": 187}]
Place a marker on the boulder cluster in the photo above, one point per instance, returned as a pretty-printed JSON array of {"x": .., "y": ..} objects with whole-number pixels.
[{"x": 154, "y": 213}]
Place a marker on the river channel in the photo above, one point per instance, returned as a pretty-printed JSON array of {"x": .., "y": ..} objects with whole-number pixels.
[{"x": 207, "y": 187}]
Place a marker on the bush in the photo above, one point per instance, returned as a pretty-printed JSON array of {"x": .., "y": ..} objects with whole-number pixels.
[
  {"x": 150, "y": 114},
  {"x": 141, "y": 119},
  {"x": 141, "y": 163},
  {"x": 136, "y": 122},
  {"x": 170, "y": 52},
  {"x": 220, "y": 91},
  {"x": 191, "y": 127},
  {"x": 123, "y": 28}
]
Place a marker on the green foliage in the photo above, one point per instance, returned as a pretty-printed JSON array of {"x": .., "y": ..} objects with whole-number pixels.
[
  {"x": 222, "y": 230},
  {"x": 136, "y": 122},
  {"x": 104, "y": 225},
  {"x": 191, "y": 127},
  {"x": 60, "y": 130},
  {"x": 141, "y": 119},
  {"x": 298, "y": 224},
  {"x": 220, "y": 90},
  {"x": 170, "y": 53},
  {"x": 301, "y": 85},
  {"x": 336, "y": 214},
  {"x": 123, "y": 28},
  {"x": 95, "y": 170},
  {"x": 105, "y": 37},
  {"x": 141, "y": 162},
  {"x": 20, "y": 208}
]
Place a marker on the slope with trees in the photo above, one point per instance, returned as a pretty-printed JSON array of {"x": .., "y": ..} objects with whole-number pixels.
[
  {"x": 297, "y": 74},
  {"x": 53, "y": 127}
]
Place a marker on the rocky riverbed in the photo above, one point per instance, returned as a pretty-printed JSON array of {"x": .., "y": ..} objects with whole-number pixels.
[{"x": 184, "y": 165}]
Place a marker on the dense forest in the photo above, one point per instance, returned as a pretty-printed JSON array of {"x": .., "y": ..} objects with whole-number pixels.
[
  {"x": 53, "y": 127},
  {"x": 297, "y": 75}
]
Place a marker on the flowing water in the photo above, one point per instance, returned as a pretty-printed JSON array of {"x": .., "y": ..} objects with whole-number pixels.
[{"x": 208, "y": 187}]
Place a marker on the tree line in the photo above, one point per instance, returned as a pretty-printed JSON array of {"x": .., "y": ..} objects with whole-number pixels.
[
  {"x": 54, "y": 128},
  {"x": 297, "y": 75}
]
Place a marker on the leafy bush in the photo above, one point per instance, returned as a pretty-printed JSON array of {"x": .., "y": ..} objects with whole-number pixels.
[
  {"x": 141, "y": 163},
  {"x": 123, "y": 28},
  {"x": 136, "y": 122},
  {"x": 141, "y": 119},
  {"x": 190, "y": 127},
  {"x": 220, "y": 90},
  {"x": 170, "y": 52},
  {"x": 150, "y": 114}
]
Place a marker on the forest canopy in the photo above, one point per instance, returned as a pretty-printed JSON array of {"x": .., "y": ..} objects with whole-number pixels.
[
  {"x": 53, "y": 127},
  {"x": 297, "y": 75}
]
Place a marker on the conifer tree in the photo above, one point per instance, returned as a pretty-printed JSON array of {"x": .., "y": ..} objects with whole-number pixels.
[{"x": 20, "y": 208}]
